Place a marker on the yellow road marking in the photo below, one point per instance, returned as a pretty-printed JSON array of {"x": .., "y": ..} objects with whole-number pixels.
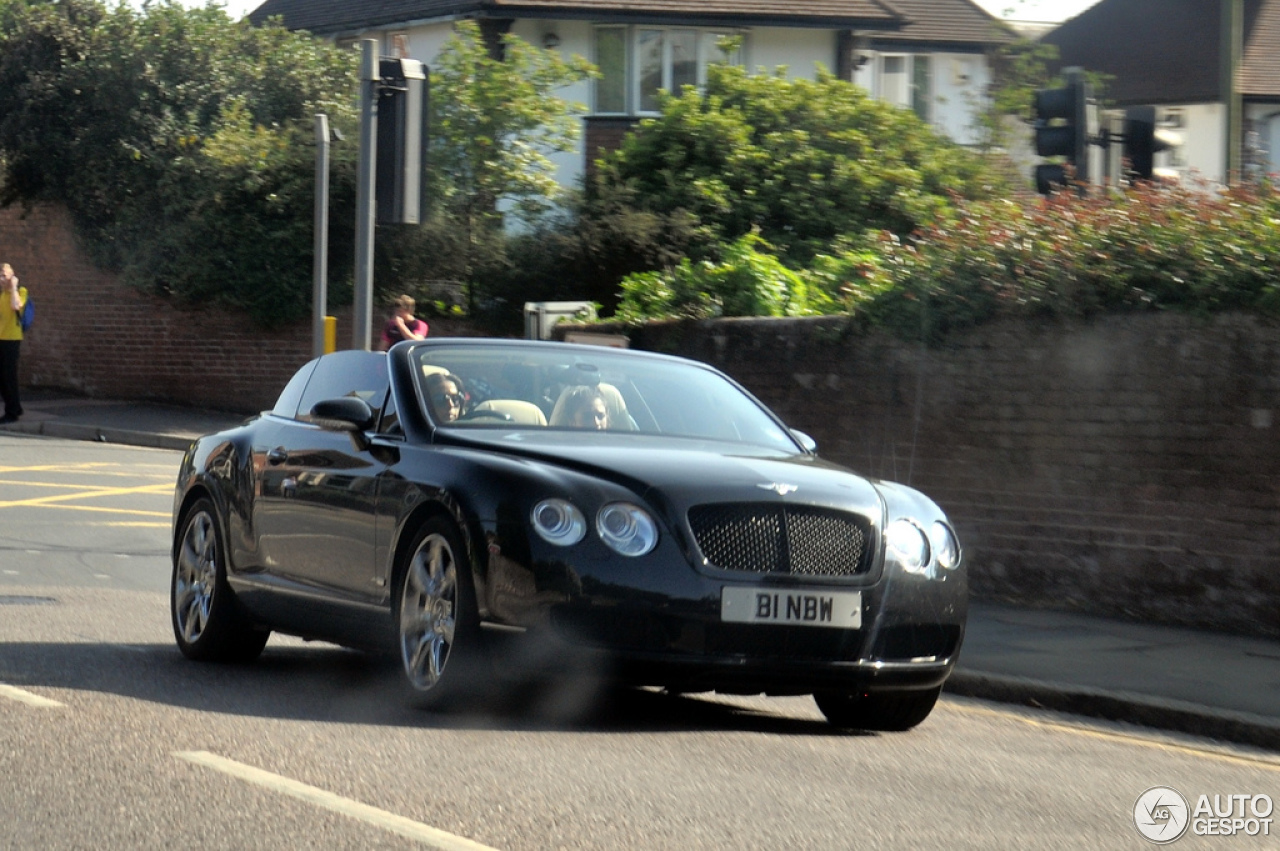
[
  {"x": 354, "y": 809},
  {"x": 106, "y": 510},
  {"x": 47, "y": 500},
  {"x": 64, "y": 485},
  {"x": 1254, "y": 761},
  {"x": 138, "y": 524},
  {"x": 118, "y": 470}
]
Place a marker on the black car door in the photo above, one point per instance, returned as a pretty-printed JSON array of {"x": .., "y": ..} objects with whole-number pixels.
[{"x": 316, "y": 491}]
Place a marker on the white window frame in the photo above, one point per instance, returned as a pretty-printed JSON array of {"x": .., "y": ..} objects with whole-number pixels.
[
  {"x": 921, "y": 103},
  {"x": 705, "y": 53},
  {"x": 902, "y": 98}
]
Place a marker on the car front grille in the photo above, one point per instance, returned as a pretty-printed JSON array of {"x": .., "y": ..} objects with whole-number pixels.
[{"x": 795, "y": 540}]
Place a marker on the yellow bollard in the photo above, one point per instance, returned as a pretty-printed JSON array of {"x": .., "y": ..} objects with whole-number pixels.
[{"x": 330, "y": 334}]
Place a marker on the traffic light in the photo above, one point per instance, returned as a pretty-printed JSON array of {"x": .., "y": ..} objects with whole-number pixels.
[
  {"x": 1143, "y": 140},
  {"x": 1063, "y": 119},
  {"x": 402, "y": 139}
]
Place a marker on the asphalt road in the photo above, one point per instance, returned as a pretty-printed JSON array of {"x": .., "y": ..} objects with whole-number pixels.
[{"x": 110, "y": 739}]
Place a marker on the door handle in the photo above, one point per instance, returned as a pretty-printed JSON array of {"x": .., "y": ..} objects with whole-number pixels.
[{"x": 277, "y": 455}]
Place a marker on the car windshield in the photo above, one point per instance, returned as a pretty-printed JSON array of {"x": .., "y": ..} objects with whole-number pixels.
[{"x": 588, "y": 388}]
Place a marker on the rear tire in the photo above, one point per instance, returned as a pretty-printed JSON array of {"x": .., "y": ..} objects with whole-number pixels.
[
  {"x": 206, "y": 622},
  {"x": 437, "y": 622},
  {"x": 889, "y": 711}
]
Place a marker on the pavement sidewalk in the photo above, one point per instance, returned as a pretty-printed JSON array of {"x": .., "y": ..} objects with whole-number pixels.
[{"x": 1202, "y": 683}]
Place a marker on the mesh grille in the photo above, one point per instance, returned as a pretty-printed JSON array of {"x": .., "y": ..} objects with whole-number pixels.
[{"x": 799, "y": 540}]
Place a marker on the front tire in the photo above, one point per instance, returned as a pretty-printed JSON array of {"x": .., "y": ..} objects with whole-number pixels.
[
  {"x": 889, "y": 711},
  {"x": 206, "y": 623},
  {"x": 437, "y": 621}
]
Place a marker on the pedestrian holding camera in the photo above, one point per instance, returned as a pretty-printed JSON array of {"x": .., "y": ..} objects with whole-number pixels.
[{"x": 13, "y": 298}]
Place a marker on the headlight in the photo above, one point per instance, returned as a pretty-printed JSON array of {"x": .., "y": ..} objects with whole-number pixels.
[
  {"x": 946, "y": 549},
  {"x": 627, "y": 529},
  {"x": 907, "y": 542},
  {"x": 559, "y": 522}
]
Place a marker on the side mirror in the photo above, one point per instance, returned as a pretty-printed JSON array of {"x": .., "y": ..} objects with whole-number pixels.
[
  {"x": 348, "y": 414},
  {"x": 810, "y": 445}
]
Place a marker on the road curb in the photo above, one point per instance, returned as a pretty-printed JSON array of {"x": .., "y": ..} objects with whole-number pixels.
[
  {"x": 1128, "y": 707},
  {"x": 72, "y": 431}
]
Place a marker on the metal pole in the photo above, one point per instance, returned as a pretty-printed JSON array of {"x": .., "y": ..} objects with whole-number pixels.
[
  {"x": 362, "y": 314},
  {"x": 1232, "y": 47},
  {"x": 320, "y": 262}
]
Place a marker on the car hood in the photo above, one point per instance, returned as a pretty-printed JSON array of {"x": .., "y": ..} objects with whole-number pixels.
[{"x": 688, "y": 472}]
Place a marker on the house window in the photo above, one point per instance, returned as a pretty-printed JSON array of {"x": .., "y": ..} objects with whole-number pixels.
[
  {"x": 895, "y": 86},
  {"x": 906, "y": 80},
  {"x": 636, "y": 63},
  {"x": 400, "y": 45},
  {"x": 611, "y": 59},
  {"x": 921, "y": 85},
  {"x": 1174, "y": 119}
]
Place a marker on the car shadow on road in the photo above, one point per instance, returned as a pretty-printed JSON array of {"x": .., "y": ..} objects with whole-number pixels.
[{"x": 322, "y": 682}]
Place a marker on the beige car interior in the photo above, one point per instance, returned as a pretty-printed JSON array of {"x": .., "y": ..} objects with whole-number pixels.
[
  {"x": 521, "y": 412},
  {"x": 619, "y": 419}
]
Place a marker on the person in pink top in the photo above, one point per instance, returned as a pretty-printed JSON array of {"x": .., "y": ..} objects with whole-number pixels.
[{"x": 403, "y": 325}]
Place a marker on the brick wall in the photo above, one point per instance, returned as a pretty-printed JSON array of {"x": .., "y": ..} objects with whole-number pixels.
[
  {"x": 98, "y": 337},
  {"x": 604, "y": 135},
  {"x": 1127, "y": 466}
]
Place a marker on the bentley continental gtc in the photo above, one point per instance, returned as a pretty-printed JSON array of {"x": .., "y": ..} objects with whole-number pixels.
[{"x": 644, "y": 512}]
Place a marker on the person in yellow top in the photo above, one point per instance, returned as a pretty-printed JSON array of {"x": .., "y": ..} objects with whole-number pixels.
[{"x": 12, "y": 299}]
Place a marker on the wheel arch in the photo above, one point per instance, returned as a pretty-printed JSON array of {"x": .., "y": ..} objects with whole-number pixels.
[{"x": 422, "y": 513}]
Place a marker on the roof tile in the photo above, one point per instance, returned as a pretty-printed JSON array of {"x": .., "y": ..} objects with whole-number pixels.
[
  {"x": 949, "y": 21},
  {"x": 326, "y": 16}
]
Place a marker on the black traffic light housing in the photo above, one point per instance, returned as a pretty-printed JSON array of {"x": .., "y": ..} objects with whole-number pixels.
[
  {"x": 1143, "y": 140},
  {"x": 1063, "y": 119},
  {"x": 402, "y": 141}
]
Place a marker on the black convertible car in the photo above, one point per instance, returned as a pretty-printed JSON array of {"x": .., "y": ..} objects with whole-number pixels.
[{"x": 644, "y": 512}]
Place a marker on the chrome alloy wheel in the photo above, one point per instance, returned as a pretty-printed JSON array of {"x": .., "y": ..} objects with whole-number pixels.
[
  {"x": 428, "y": 612},
  {"x": 195, "y": 577}
]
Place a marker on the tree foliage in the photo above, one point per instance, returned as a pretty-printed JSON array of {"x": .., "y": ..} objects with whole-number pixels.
[
  {"x": 800, "y": 161},
  {"x": 494, "y": 120},
  {"x": 179, "y": 140}
]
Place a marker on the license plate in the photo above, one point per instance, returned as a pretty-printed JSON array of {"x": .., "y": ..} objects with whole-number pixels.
[{"x": 840, "y": 609}]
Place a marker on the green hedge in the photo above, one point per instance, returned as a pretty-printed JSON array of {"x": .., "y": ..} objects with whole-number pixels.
[{"x": 1192, "y": 248}]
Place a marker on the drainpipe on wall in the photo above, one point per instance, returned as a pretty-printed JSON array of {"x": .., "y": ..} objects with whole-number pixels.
[{"x": 1232, "y": 46}]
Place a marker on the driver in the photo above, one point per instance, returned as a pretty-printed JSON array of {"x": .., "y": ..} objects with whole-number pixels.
[{"x": 447, "y": 396}]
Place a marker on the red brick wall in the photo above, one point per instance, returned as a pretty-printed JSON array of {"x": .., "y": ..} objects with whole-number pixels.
[
  {"x": 1128, "y": 466},
  {"x": 604, "y": 135},
  {"x": 98, "y": 337}
]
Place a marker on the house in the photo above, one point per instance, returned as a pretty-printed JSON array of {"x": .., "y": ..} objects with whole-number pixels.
[
  {"x": 927, "y": 55},
  {"x": 1171, "y": 54}
]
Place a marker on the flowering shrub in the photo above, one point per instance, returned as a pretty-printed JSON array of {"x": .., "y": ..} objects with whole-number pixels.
[{"x": 1150, "y": 248}]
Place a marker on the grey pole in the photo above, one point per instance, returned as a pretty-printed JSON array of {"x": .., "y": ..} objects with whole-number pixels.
[
  {"x": 320, "y": 262},
  {"x": 362, "y": 314},
  {"x": 1232, "y": 48}
]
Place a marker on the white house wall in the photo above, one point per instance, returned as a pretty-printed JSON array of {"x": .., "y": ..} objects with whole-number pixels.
[
  {"x": 800, "y": 50},
  {"x": 959, "y": 80},
  {"x": 1203, "y": 154},
  {"x": 575, "y": 38}
]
